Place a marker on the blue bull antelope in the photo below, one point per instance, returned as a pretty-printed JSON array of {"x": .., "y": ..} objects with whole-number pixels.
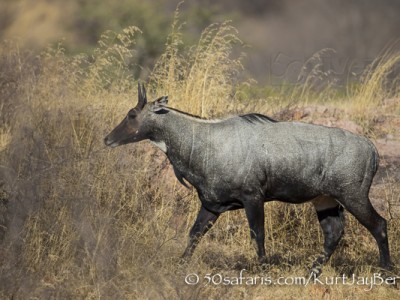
[{"x": 244, "y": 161}]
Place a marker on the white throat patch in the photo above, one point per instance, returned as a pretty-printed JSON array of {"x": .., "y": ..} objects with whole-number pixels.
[{"x": 160, "y": 145}]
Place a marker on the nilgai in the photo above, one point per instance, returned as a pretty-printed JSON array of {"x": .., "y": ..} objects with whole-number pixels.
[{"x": 244, "y": 161}]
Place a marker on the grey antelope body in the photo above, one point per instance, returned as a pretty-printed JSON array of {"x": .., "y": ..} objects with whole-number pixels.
[{"x": 244, "y": 161}]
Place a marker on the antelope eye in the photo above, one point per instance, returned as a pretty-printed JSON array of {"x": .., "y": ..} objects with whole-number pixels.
[{"x": 132, "y": 115}]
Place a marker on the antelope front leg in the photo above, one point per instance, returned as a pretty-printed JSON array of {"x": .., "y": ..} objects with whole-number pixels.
[{"x": 205, "y": 220}]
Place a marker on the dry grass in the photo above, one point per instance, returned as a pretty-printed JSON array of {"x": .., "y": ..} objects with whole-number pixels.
[
  {"x": 87, "y": 222},
  {"x": 202, "y": 79}
]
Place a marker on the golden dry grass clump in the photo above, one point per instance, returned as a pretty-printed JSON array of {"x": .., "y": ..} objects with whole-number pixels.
[
  {"x": 83, "y": 221},
  {"x": 202, "y": 79}
]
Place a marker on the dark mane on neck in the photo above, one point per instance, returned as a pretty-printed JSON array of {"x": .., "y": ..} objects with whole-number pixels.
[
  {"x": 186, "y": 113},
  {"x": 254, "y": 118},
  {"x": 251, "y": 118}
]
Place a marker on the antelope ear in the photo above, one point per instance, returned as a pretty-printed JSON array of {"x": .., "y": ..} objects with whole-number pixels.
[{"x": 160, "y": 104}]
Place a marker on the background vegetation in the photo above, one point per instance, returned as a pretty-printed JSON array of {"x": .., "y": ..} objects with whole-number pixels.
[
  {"x": 280, "y": 35},
  {"x": 78, "y": 220}
]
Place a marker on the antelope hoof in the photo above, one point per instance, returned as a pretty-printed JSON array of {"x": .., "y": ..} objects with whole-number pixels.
[{"x": 316, "y": 271}]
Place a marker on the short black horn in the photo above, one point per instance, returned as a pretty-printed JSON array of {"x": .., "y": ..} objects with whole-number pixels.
[{"x": 142, "y": 96}]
